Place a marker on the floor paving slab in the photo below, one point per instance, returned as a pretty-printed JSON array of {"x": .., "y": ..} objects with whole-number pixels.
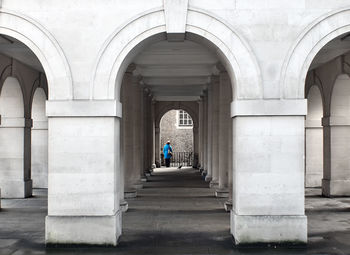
[{"x": 175, "y": 213}]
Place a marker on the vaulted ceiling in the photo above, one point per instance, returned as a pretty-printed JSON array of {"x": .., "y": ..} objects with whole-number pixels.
[
  {"x": 335, "y": 48},
  {"x": 176, "y": 71},
  {"x": 13, "y": 48}
]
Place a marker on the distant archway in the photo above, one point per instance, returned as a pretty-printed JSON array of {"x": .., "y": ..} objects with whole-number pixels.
[{"x": 177, "y": 127}]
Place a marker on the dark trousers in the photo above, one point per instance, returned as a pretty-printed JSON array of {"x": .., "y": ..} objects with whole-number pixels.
[{"x": 167, "y": 162}]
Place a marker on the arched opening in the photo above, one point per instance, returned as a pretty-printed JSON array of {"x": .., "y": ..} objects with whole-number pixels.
[
  {"x": 326, "y": 133},
  {"x": 314, "y": 139},
  {"x": 176, "y": 126},
  {"x": 187, "y": 81},
  {"x": 22, "y": 113},
  {"x": 327, "y": 103},
  {"x": 23, "y": 136},
  {"x": 338, "y": 173},
  {"x": 39, "y": 150},
  {"x": 14, "y": 179}
]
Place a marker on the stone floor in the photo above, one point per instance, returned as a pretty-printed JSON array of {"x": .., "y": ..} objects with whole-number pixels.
[{"x": 175, "y": 213}]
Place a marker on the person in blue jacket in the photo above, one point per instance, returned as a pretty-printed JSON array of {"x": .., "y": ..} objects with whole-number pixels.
[{"x": 168, "y": 153}]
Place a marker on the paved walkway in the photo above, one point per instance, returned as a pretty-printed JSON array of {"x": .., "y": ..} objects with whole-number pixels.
[{"x": 175, "y": 213}]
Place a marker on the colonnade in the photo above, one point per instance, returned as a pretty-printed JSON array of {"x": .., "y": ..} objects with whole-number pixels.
[
  {"x": 327, "y": 128},
  {"x": 137, "y": 135},
  {"x": 215, "y": 138},
  {"x": 212, "y": 130},
  {"x": 23, "y": 129}
]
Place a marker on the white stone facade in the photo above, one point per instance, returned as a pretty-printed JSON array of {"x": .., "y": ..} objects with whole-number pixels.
[{"x": 113, "y": 68}]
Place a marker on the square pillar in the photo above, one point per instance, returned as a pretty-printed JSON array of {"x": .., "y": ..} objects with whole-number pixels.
[
  {"x": 215, "y": 131},
  {"x": 268, "y": 172},
  {"x": 209, "y": 119},
  {"x": 84, "y": 167}
]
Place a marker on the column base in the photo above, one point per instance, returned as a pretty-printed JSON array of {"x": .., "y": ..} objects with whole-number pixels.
[
  {"x": 88, "y": 230},
  {"x": 208, "y": 178},
  {"x": 16, "y": 188},
  {"x": 124, "y": 206},
  {"x": 248, "y": 230},
  {"x": 138, "y": 185},
  {"x": 221, "y": 193},
  {"x": 228, "y": 205},
  {"x": 130, "y": 193},
  {"x": 331, "y": 188},
  {"x": 214, "y": 184}
]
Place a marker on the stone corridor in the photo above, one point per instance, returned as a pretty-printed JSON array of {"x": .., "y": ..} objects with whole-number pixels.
[{"x": 175, "y": 213}]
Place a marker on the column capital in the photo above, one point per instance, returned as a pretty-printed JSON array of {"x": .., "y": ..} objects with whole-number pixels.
[
  {"x": 83, "y": 108},
  {"x": 220, "y": 67},
  {"x": 328, "y": 121},
  {"x": 131, "y": 68},
  {"x": 215, "y": 79}
]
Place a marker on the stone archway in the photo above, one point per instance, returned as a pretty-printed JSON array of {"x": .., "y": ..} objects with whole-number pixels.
[
  {"x": 45, "y": 47},
  {"x": 151, "y": 26},
  {"x": 309, "y": 43}
]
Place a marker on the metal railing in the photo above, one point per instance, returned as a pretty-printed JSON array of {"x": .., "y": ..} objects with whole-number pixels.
[{"x": 179, "y": 159}]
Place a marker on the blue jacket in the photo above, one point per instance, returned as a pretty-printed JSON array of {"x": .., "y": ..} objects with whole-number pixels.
[{"x": 166, "y": 149}]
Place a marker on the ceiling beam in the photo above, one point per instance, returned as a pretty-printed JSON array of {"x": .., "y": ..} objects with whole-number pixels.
[
  {"x": 176, "y": 98},
  {"x": 176, "y": 81}
]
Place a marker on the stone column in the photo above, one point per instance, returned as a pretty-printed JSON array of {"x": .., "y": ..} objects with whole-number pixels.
[
  {"x": 215, "y": 131},
  {"x": 200, "y": 134},
  {"x": 137, "y": 132},
  {"x": 84, "y": 165},
  {"x": 145, "y": 130},
  {"x": 195, "y": 146},
  {"x": 224, "y": 134},
  {"x": 128, "y": 100},
  {"x": 205, "y": 134},
  {"x": 148, "y": 132},
  {"x": 209, "y": 121},
  {"x": 142, "y": 135},
  {"x": 153, "y": 130},
  {"x": 336, "y": 175},
  {"x": 268, "y": 171},
  {"x": 228, "y": 203},
  {"x": 157, "y": 145}
]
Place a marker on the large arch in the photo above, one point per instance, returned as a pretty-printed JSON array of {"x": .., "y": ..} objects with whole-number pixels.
[
  {"x": 45, "y": 47},
  {"x": 150, "y": 26},
  {"x": 308, "y": 44}
]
